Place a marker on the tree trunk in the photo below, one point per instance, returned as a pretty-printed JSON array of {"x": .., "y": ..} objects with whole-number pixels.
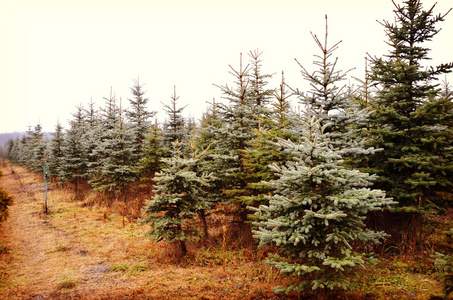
[
  {"x": 183, "y": 248},
  {"x": 202, "y": 216},
  {"x": 76, "y": 186}
]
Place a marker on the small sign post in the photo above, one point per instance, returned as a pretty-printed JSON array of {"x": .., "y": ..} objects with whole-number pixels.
[
  {"x": 12, "y": 161},
  {"x": 45, "y": 186}
]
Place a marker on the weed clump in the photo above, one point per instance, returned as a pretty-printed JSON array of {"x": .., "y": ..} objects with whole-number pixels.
[{"x": 5, "y": 201}]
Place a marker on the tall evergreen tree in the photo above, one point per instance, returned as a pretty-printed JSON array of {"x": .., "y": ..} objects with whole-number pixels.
[
  {"x": 331, "y": 100},
  {"x": 316, "y": 212},
  {"x": 16, "y": 151},
  {"x": 56, "y": 156},
  {"x": 139, "y": 116},
  {"x": 92, "y": 136},
  {"x": 207, "y": 137},
  {"x": 114, "y": 170},
  {"x": 240, "y": 116},
  {"x": 259, "y": 91},
  {"x": 153, "y": 152},
  {"x": 411, "y": 120},
  {"x": 37, "y": 148},
  {"x": 208, "y": 132},
  {"x": 74, "y": 167},
  {"x": 263, "y": 152},
  {"x": 25, "y": 148},
  {"x": 210, "y": 195},
  {"x": 9, "y": 147}
]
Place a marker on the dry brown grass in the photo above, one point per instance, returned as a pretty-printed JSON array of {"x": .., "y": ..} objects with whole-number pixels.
[{"x": 82, "y": 251}]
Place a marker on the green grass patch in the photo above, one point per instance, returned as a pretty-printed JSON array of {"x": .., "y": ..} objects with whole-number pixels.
[
  {"x": 139, "y": 268},
  {"x": 120, "y": 268},
  {"x": 67, "y": 283},
  {"x": 60, "y": 248},
  {"x": 126, "y": 268}
]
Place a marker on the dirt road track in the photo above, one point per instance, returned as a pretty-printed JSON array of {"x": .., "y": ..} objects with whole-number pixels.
[{"x": 42, "y": 259}]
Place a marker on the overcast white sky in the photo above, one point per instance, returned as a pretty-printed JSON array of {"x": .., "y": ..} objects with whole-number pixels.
[{"x": 57, "y": 54}]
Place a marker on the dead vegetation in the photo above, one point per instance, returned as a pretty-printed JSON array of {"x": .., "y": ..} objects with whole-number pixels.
[{"x": 86, "y": 249}]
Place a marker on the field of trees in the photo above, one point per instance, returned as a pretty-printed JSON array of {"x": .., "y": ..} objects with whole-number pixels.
[{"x": 347, "y": 197}]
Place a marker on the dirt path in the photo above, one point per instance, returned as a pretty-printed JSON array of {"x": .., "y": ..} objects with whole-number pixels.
[{"x": 46, "y": 261}]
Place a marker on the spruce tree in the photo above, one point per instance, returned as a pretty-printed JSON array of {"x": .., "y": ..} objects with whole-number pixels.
[
  {"x": 174, "y": 127},
  {"x": 241, "y": 116},
  {"x": 92, "y": 137},
  {"x": 74, "y": 167},
  {"x": 114, "y": 170},
  {"x": 153, "y": 152},
  {"x": 207, "y": 137},
  {"x": 37, "y": 148},
  {"x": 331, "y": 100},
  {"x": 210, "y": 196},
  {"x": 16, "y": 151},
  {"x": 25, "y": 148},
  {"x": 317, "y": 211},
  {"x": 139, "y": 116},
  {"x": 9, "y": 147},
  {"x": 262, "y": 152},
  {"x": 56, "y": 156},
  {"x": 411, "y": 121},
  {"x": 259, "y": 92},
  {"x": 179, "y": 194},
  {"x": 444, "y": 264}
]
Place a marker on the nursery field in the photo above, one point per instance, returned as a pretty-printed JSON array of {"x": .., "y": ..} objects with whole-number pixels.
[{"x": 81, "y": 251}]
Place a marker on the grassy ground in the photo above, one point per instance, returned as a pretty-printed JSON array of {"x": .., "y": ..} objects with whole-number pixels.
[{"x": 84, "y": 251}]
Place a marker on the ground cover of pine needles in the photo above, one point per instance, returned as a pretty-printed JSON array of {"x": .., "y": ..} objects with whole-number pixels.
[{"x": 78, "y": 251}]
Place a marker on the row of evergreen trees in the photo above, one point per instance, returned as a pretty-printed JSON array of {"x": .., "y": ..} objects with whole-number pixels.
[{"x": 346, "y": 153}]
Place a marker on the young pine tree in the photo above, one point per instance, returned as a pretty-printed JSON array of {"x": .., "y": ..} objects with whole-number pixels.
[
  {"x": 411, "y": 121},
  {"x": 444, "y": 264},
  {"x": 316, "y": 212},
  {"x": 179, "y": 194}
]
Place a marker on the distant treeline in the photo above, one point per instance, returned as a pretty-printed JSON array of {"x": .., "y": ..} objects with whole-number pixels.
[{"x": 4, "y": 137}]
